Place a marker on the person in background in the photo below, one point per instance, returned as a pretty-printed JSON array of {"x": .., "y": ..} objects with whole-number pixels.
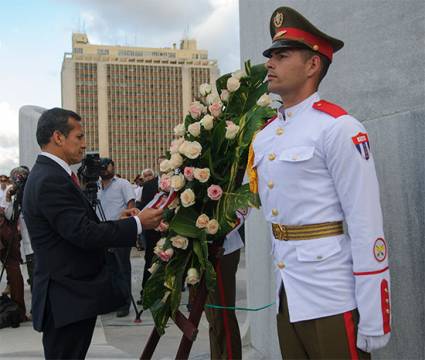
[
  {"x": 116, "y": 195},
  {"x": 151, "y": 237},
  {"x": 12, "y": 203},
  {"x": 4, "y": 181}
]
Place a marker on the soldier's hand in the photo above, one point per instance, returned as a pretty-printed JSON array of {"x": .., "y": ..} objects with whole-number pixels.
[
  {"x": 129, "y": 212},
  {"x": 150, "y": 218}
]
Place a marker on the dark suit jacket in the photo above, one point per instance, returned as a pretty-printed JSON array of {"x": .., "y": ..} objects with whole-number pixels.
[{"x": 68, "y": 242}]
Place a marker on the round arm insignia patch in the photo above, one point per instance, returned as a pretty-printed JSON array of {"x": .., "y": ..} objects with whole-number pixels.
[{"x": 380, "y": 249}]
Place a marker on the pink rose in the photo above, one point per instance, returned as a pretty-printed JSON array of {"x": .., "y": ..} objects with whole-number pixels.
[
  {"x": 189, "y": 173},
  {"x": 215, "y": 109},
  {"x": 162, "y": 227},
  {"x": 166, "y": 255},
  {"x": 215, "y": 192},
  {"x": 195, "y": 109},
  {"x": 165, "y": 183}
]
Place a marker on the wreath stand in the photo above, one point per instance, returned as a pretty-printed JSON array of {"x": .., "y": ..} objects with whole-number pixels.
[{"x": 188, "y": 326}]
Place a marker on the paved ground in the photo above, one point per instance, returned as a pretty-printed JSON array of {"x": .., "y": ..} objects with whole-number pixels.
[{"x": 121, "y": 338}]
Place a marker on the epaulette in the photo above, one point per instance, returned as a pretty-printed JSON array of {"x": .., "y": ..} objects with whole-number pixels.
[
  {"x": 269, "y": 122},
  {"x": 329, "y": 108}
]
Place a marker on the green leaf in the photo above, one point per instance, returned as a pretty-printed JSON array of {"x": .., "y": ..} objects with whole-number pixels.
[
  {"x": 184, "y": 222},
  {"x": 161, "y": 313},
  {"x": 174, "y": 274},
  {"x": 197, "y": 249},
  {"x": 154, "y": 287}
]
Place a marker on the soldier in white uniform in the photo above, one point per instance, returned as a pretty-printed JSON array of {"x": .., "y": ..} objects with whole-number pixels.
[{"x": 313, "y": 168}]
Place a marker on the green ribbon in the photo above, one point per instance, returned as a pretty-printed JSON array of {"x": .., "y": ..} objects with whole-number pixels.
[{"x": 211, "y": 306}]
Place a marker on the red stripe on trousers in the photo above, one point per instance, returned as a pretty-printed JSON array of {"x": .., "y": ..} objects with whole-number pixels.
[
  {"x": 351, "y": 335},
  {"x": 225, "y": 318}
]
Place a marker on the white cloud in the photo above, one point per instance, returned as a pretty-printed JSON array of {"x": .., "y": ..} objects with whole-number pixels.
[
  {"x": 214, "y": 23},
  {"x": 9, "y": 144}
]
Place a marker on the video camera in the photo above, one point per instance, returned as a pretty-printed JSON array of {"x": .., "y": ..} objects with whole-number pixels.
[
  {"x": 18, "y": 177},
  {"x": 89, "y": 173}
]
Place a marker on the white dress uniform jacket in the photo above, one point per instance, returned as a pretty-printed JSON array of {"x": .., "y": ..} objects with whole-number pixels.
[{"x": 314, "y": 165}]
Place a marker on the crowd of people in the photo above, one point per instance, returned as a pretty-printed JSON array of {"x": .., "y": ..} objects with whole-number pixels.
[{"x": 115, "y": 194}]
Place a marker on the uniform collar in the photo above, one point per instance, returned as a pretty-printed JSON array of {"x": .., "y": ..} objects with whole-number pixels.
[{"x": 293, "y": 111}]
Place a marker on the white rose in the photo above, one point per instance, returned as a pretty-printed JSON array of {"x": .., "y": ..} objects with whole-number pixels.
[
  {"x": 239, "y": 74},
  {"x": 224, "y": 95},
  {"x": 205, "y": 89},
  {"x": 183, "y": 146},
  {"x": 212, "y": 227},
  {"x": 231, "y": 130},
  {"x": 233, "y": 84},
  {"x": 175, "y": 144},
  {"x": 165, "y": 166},
  {"x": 212, "y": 98},
  {"x": 180, "y": 242},
  {"x": 202, "y": 175},
  {"x": 179, "y": 130},
  {"x": 194, "y": 129},
  {"x": 264, "y": 100},
  {"x": 192, "y": 277},
  {"x": 207, "y": 122},
  {"x": 191, "y": 149},
  {"x": 154, "y": 267},
  {"x": 177, "y": 181},
  {"x": 187, "y": 198},
  {"x": 176, "y": 161},
  {"x": 202, "y": 221}
]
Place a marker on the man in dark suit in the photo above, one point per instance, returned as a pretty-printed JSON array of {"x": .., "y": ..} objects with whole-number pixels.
[{"x": 71, "y": 283}]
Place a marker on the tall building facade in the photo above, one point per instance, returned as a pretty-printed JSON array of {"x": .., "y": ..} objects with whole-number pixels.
[{"x": 130, "y": 98}]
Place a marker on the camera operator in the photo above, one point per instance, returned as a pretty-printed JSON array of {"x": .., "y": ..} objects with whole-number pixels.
[
  {"x": 12, "y": 203},
  {"x": 10, "y": 257},
  {"x": 71, "y": 282},
  {"x": 115, "y": 195}
]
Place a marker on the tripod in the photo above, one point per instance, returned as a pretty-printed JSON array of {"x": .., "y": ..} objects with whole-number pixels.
[{"x": 95, "y": 202}]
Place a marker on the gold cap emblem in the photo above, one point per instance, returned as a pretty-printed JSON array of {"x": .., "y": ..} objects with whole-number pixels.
[{"x": 278, "y": 19}]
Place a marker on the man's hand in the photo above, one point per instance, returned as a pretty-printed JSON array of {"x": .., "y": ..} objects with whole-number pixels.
[
  {"x": 129, "y": 212},
  {"x": 150, "y": 218}
]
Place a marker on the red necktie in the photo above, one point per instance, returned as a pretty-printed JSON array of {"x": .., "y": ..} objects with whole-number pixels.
[{"x": 74, "y": 179}]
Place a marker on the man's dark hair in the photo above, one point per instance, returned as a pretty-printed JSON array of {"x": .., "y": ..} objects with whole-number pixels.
[
  {"x": 325, "y": 62},
  {"x": 52, "y": 120}
]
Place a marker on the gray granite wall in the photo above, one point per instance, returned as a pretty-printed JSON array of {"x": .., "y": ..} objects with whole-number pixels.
[{"x": 379, "y": 77}]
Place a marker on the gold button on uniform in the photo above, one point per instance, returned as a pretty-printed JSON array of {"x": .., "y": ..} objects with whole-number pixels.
[
  {"x": 316, "y": 47},
  {"x": 275, "y": 212},
  {"x": 279, "y": 131},
  {"x": 387, "y": 311},
  {"x": 272, "y": 156},
  {"x": 270, "y": 184},
  {"x": 280, "y": 265}
]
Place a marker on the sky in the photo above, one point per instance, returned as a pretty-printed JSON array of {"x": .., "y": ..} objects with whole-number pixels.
[{"x": 35, "y": 34}]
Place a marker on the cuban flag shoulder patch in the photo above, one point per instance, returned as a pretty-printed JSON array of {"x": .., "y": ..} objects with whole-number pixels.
[{"x": 361, "y": 141}]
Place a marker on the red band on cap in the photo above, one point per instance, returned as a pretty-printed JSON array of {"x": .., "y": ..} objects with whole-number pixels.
[{"x": 311, "y": 40}]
